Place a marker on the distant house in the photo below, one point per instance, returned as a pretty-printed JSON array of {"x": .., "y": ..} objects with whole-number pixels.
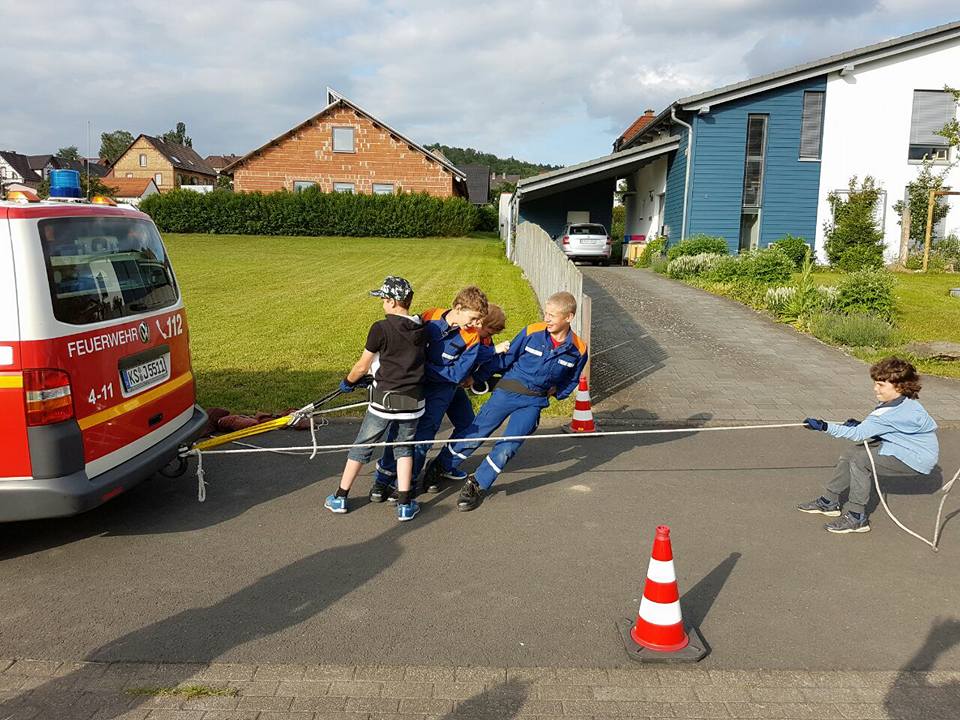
[
  {"x": 132, "y": 190},
  {"x": 344, "y": 148},
  {"x": 635, "y": 127},
  {"x": 15, "y": 168},
  {"x": 219, "y": 162},
  {"x": 43, "y": 164},
  {"x": 169, "y": 165},
  {"x": 478, "y": 183},
  {"x": 502, "y": 182}
]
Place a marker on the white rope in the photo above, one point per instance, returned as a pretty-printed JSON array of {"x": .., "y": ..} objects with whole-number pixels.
[
  {"x": 936, "y": 528},
  {"x": 201, "y": 485}
]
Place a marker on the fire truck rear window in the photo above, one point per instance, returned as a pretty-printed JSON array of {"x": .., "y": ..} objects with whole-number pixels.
[{"x": 101, "y": 268}]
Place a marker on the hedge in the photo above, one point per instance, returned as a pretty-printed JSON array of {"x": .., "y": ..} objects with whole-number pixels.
[{"x": 310, "y": 212}]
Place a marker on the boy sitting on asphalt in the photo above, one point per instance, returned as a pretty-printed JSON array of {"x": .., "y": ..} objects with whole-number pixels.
[
  {"x": 395, "y": 351},
  {"x": 902, "y": 433},
  {"x": 453, "y": 349},
  {"x": 545, "y": 359}
]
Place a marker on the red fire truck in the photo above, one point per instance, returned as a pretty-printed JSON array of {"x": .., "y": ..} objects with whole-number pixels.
[{"x": 96, "y": 385}]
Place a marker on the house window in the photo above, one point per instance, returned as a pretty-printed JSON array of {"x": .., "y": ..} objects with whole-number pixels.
[
  {"x": 143, "y": 159},
  {"x": 753, "y": 164},
  {"x": 301, "y": 185},
  {"x": 343, "y": 139},
  {"x": 129, "y": 175},
  {"x": 343, "y": 187},
  {"x": 383, "y": 188},
  {"x": 158, "y": 178},
  {"x": 811, "y": 126},
  {"x": 932, "y": 109}
]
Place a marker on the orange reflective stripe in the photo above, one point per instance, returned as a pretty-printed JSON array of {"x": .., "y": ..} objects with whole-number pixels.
[
  {"x": 432, "y": 314},
  {"x": 469, "y": 336},
  {"x": 578, "y": 343},
  {"x": 536, "y": 327},
  {"x": 135, "y": 402}
]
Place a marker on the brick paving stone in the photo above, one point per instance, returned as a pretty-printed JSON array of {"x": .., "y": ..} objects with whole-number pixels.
[
  {"x": 746, "y": 710},
  {"x": 564, "y": 692},
  {"x": 175, "y": 715},
  {"x": 419, "y": 673},
  {"x": 256, "y": 703},
  {"x": 457, "y": 691},
  {"x": 642, "y": 708},
  {"x": 722, "y": 693},
  {"x": 318, "y": 704},
  {"x": 786, "y": 678},
  {"x": 639, "y": 677},
  {"x": 536, "y": 675},
  {"x": 5, "y": 663},
  {"x": 81, "y": 670},
  {"x": 303, "y": 688},
  {"x": 582, "y": 676},
  {"x": 862, "y": 711},
  {"x": 353, "y": 689},
  {"x": 685, "y": 677},
  {"x": 481, "y": 674},
  {"x": 231, "y": 715},
  {"x": 211, "y": 702},
  {"x": 698, "y": 710},
  {"x": 372, "y": 704},
  {"x": 405, "y": 689},
  {"x": 257, "y": 687},
  {"x": 327, "y": 672},
  {"x": 591, "y": 707},
  {"x": 289, "y": 673},
  {"x": 11, "y": 682},
  {"x": 673, "y": 694},
  {"x": 302, "y": 716},
  {"x": 37, "y": 668},
  {"x": 425, "y": 705},
  {"x": 775, "y": 694},
  {"x": 226, "y": 671},
  {"x": 379, "y": 673},
  {"x": 848, "y": 694}
]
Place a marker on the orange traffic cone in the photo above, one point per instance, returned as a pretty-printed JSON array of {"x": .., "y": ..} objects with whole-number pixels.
[
  {"x": 658, "y": 634},
  {"x": 582, "y": 412}
]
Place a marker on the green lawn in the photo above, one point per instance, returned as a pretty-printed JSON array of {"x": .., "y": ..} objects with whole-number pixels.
[
  {"x": 278, "y": 321},
  {"x": 926, "y": 311}
]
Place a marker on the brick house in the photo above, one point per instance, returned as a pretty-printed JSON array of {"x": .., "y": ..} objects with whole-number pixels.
[
  {"x": 169, "y": 165},
  {"x": 343, "y": 148}
]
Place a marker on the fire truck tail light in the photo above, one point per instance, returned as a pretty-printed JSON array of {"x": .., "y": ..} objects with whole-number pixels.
[{"x": 48, "y": 396}]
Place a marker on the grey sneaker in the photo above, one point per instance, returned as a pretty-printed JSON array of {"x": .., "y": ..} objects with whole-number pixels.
[
  {"x": 820, "y": 506},
  {"x": 847, "y": 523}
]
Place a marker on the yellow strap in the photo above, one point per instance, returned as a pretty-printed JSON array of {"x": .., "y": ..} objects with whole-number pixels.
[
  {"x": 246, "y": 432},
  {"x": 136, "y": 401}
]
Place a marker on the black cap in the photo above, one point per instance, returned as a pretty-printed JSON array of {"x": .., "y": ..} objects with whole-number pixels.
[{"x": 395, "y": 288}]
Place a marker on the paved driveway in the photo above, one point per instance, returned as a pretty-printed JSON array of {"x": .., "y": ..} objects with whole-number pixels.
[{"x": 664, "y": 351}]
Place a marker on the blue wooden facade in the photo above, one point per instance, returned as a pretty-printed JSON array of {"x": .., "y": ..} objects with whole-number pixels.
[
  {"x": 790, "y": 185},
  {"x": 550, "y": 212}
]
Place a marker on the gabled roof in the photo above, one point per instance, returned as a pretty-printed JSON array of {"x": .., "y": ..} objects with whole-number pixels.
[
  {"x": 333, "y": 100},
  {"x": 478, "y": 183},
  {"x": 129, "y": 187},
  {"x": 180, "y": 156},
  {"x": 21, "y": 164},
  {"x": 218, "y": 162},
  {"x": 635, "y": 127},
  {"x": 96, "y": 169},
  {"x": 845, "y": 61},
  {"x": 39, "y": 162}
]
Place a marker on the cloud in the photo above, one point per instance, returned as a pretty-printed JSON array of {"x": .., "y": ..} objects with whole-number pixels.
[{"x": 550, "y": 81}]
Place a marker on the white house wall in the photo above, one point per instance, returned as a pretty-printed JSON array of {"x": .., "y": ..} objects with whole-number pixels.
[
  {"x": 867, "y": 130},
  {"x": 646, "y": 185}
]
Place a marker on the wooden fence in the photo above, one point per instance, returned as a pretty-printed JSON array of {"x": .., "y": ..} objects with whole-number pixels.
[{"x": 548, "y": 270}]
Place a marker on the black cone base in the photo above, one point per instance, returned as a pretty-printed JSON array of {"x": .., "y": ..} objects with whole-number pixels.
[{"x": 695, "y": 650}]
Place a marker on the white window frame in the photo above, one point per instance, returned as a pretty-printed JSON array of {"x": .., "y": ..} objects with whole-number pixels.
[
  {"x": 353, "y": 138},
  {"x": 143, "y": 160},
  {"x": 158, "y": 178},
  {"x": 344, "y": 187},
  {"x": 823, "y": 99},
  {"x": 941, "y": 155},
  {"x": 390, "y": 191}
]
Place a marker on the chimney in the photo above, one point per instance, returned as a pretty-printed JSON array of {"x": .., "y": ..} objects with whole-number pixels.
[{"x": 648, "y": 113}]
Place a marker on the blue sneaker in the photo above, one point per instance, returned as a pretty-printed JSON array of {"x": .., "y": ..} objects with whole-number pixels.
[
  {"x": 335, "y": 504},
  {"x": 847, "y": 523},
  {"x": 455, "y": 474},
  {"x": 408, "y": 511}
]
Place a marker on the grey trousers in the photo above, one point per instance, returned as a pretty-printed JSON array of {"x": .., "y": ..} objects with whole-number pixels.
[{"x": 853, "y": 473}]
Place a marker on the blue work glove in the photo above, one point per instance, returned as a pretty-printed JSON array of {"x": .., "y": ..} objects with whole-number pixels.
[
  {"x": 814, "y": 424},
  {"x": 364, "y": 382},
  {"x": 346, "y": 386},
  {"x": 852, "y": 422}
]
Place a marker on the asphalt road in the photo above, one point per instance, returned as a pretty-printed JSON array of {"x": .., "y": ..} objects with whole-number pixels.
[{"x": 538, "y": 576}]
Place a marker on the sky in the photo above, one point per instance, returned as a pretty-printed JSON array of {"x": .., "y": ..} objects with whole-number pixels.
[{"x": 553, "y": 82}]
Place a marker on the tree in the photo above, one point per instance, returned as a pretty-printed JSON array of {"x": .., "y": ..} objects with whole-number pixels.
[
  {"x": 854, "y": 238},
  {"x": 69, "y": 153},
  {"x": 178, "y": 136},
  {"x": 113, "y": 144}
]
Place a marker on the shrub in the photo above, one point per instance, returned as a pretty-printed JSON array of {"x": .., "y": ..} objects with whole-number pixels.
[
  {"x": 857, "y": 330},
  {"x": 659, "y": 264},
  {"x": 868, "y": 292},
  {"x": 488, "y": 218},
  {"x": 687, "y": 266},
  {"x": 770, "y": 267},
  {"x": 311, "y": 212},
  {"x": 796, "y": 248},
  {"x": 854, "y": 240},
  {"x": 651, "y": 250},
  {"x": 698, "y": 245}
]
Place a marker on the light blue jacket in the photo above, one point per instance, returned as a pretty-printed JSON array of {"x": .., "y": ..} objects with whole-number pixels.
[{"x": 905, "y": 430}]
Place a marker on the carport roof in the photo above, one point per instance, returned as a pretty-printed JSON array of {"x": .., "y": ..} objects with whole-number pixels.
[{"x": 607, "y": 167}]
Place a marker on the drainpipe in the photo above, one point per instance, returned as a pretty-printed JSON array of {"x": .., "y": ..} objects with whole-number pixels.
[{"x": 686, "y": 179}]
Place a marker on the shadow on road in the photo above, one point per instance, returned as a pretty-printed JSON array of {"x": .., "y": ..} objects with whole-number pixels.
[
  {"x": 697, "y": 601},
  {"x": 502, "y": 702},
  {"x": 913, "y": 695},
  {"x": 273, "y": 603}
]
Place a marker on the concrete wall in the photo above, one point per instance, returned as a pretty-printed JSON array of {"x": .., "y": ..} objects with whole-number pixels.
[
  {"x": 642, "y": 206},
  {"x": 867, "y": 130},
  {"x": 550, "y": 212}
]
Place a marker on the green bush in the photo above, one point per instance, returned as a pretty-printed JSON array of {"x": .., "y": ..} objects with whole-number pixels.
[
  {"x": 311, "y": 212},
  {"x": 698, "y": 245},
  {"x": 859, "y": 257},
  {"x": 488, "y": 218},
  {"x": 653, "y": 249},
  {"x": 687, "y": 266},
  {"x": 659, "y": 264},
  {"x": 866, "y": 292},
  {"x": 857, "y": 330},
  {"x": 796, "y": 248},
  {"x": 770, "y": 267},
  {"x": 853, "y": 239}
]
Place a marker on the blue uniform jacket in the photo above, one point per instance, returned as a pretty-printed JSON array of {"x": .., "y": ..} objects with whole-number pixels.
[
  {"x": 452, "y": 352},
  {"x": 533, "y": 361},
  {"x": 905, "y": 429}
]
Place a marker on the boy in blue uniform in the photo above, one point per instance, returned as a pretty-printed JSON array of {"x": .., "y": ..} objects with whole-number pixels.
[
  {"x": 901, "y": 431},
  {"x": 452, "y": 351},
  {"x": 544, "y": 360}
]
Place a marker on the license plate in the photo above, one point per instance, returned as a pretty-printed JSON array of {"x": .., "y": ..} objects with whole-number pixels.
[
  {"x": 146, "y": 374},
  {"x": 591, "y": 241}
]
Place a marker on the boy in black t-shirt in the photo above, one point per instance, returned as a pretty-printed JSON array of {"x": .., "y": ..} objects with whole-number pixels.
[{"x": 394, "y": 352}]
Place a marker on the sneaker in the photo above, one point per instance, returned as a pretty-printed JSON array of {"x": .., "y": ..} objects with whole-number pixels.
[
  {"x": 335, "y": 504},
  {"x": 392, "y": 497},
  {"x": 379, "y": 492},
  {"x": 821, "y": 506},
  {"x": 433, "y": 477},
  {"x": 455, "y": 474},
  {"x": 408, "y": 511},
  {"x": 847, "y": 523},
  {"x": 470, "y": 496}
]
